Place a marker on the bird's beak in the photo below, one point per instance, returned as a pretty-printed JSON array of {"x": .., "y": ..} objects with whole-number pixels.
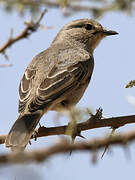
[{"x": 109, "y": 33}]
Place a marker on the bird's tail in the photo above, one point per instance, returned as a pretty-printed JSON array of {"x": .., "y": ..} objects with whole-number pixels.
[{"x": 22, "y": 130}]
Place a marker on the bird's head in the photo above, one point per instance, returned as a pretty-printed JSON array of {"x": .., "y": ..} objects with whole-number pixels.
[{"x": 85, "y": 31}]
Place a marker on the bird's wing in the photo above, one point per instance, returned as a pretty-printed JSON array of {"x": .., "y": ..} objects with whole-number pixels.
[
  {"x": 56, "y": 80},
  {"x": 57, "y": 84},
  {"x": 26, "y": 87}
]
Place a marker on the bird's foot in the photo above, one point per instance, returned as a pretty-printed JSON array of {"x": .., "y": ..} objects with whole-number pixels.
[{"x": 34, "y": 135}]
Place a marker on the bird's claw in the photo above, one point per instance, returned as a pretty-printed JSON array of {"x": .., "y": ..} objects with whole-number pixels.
[{"x": 35, "y": 135}]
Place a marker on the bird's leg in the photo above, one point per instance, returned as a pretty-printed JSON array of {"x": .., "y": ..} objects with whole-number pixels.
[{"x": 72, "y": 129}]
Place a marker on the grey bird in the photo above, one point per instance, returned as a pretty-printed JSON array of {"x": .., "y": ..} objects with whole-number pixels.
[{"x": 56, "y": 78}]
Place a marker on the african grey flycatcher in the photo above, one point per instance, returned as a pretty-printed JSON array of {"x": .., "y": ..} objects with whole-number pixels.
[{"x": 57, "y": 78}]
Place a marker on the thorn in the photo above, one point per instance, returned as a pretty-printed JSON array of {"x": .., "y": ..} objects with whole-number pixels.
[
  {"x": 42, "y": 14},
  {"x": 89, "y": 112},
  {"x": 81, "y": 136},
  {"x": 70, "y": 153},
  {"x": 39, "y": 125},
  {"x": 106, "y": 147},
  {"x": 29, "y": 142},
  {"x": 99, "y": 113},
  {"x": 5, "y": 55},
  {"x": 11, "y": 34},
  {"x": 73, "y": 140}
]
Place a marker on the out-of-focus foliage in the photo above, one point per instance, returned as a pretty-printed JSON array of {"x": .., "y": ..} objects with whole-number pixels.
[{"x": 97, "y": 8}]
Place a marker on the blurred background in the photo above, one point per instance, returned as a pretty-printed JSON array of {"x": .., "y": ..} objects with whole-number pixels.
[{"x": 114, "y": 68}]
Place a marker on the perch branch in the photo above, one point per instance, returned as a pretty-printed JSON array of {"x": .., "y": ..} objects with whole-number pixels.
[{"x": 91, "y": 123}]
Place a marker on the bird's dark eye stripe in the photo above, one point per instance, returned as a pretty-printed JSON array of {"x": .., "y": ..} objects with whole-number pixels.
[{"x": 86, "y": 26}]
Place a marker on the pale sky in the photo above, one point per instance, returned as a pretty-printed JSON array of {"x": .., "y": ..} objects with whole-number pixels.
[{"x": 114, "y": 67}]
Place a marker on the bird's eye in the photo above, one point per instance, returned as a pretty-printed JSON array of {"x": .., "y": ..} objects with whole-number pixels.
[{"x": 88, "y": 26}]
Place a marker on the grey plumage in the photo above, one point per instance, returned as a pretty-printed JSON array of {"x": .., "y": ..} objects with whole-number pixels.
[{"x": 56, "y": 78}]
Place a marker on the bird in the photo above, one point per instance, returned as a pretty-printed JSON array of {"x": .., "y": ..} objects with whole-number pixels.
[{"x": 56, "y": 78}]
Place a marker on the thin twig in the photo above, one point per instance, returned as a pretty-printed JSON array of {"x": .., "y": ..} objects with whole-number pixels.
[
  {"x": 5, "y": 65},
  {"x": 106, "y": 147},
  {"x": 27, "y": 31}
]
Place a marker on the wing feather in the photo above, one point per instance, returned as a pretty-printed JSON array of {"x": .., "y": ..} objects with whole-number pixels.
[
  {"x": 25, "y": 88},
  {"x": 50, "y": 77},
  {"x": 53, "y": 87}
]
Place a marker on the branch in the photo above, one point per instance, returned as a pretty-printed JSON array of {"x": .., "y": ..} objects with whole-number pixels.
[
  {"x": 66, "y": 147},
  {"x": 5, "y": 65},
  {"x": 92, "y": 123},
  {"x": 97, "y": 8},
  {"x": 28, "y": 30},
  {"x": 130, "y": 84},
  {"x": 52, "y": 4}
]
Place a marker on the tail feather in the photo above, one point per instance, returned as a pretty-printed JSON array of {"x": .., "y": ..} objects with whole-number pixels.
[{"x": 22, "y": 130}]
